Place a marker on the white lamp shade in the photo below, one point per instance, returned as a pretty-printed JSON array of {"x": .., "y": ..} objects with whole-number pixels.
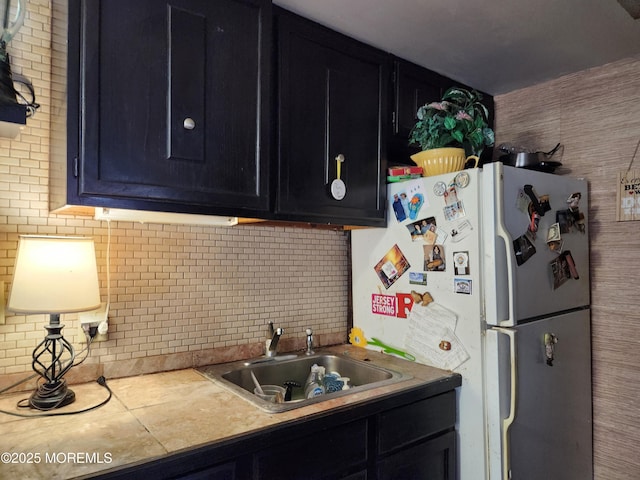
[{"x": 54, "y": 275}]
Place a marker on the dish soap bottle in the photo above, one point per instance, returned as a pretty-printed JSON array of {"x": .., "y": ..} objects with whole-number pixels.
[{"x": 314, "y": 385}]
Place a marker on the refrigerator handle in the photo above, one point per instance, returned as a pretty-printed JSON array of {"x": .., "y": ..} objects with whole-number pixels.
[
  {"x": 501, "y": 232},
  {"x": 508, "y": 421}
]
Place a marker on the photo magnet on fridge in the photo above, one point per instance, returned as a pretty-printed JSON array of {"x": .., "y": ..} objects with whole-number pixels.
[
  {"x": 417, "y": 278},
  {"x": 434, "y": 258},
  {"x": 423, "y": 230},
  {"x": 454, "y": 211},
  {"x": 563, "y": 268},
  {"x": 523, "y": 248},
  {"x": 391, "y": 267},
  {"x": 400, "y": 206}
]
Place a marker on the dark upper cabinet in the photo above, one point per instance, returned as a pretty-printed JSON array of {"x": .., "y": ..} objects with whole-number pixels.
[
  {"x": 332, "y": 101},
  {"x": 170, "y": 105},
  {"x": 412, "y": 87},
  {"x": 227, "y": 107}
]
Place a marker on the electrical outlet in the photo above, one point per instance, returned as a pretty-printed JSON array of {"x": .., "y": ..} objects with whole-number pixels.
[
  {"x": 98, "y": 338},
  {"x": 93, "y": 318}
]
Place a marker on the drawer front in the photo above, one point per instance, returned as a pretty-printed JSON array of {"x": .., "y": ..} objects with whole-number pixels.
[
  {"x": 433, "y": 459},
  {"x": 325, "y": 453},
  {"x": 404, "y": 425}
]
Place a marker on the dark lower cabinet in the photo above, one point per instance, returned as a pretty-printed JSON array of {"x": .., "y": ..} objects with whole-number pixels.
[
  {"x": 332, "y": 103},
  {"x": 433, "y": 459},
  {"x": 329, "y": 453},
  {"x": 226, "y": 471},
  {"x": 406, "y": 436}
]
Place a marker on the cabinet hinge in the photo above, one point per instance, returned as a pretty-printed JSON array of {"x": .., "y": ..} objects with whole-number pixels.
[
  {"x": 393, "y": 118},
  {"x": 75, "y": 167}
]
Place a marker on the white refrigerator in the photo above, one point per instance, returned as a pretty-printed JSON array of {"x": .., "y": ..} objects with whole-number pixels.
[{"x": 486, "y": 272}]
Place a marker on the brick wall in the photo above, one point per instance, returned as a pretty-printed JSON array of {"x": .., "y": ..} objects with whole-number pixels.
[{"x": 179, "y": 295}]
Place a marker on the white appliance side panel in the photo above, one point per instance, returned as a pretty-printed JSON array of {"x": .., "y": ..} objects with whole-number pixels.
[
  {"x": 534, "y": 289},
  {"x": 369, "y": 246}
]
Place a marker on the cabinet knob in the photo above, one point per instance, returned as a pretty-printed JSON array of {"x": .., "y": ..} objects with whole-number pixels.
[{"x": 189, "y": 124}]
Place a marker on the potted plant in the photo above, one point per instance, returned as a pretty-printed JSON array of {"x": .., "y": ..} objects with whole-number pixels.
[{"x": 454, "y": 127}]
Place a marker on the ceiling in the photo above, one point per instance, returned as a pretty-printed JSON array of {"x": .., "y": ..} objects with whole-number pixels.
[{"x": 495, "y": 46}]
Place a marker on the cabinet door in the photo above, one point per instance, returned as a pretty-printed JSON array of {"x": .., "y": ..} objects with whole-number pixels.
[
  {"x": 332, "y": 98},
  {"x": 333, "y": 452},
  {"x": 413, "y": 86},
  {"x": 174, "y": 102},
  {"x": 431, "y": 460}
]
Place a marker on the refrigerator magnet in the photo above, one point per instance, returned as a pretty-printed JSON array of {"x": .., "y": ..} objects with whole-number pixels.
[
  {"x": 574, "y": 201},
  {"x": 423, "y": 230},
  {"x": 450, "y": 195},
  {"x": 454, "y": 211},
  {"x": 537, "y": 204},
  {"x": 434, "y": 258},
  {"x": 418, "y": 278},
  {"x": 415, "y": 204},
  {"x": 462, "y": 285},
  {"x": 563, "y": 268},
  {"x": 461, "y": 230},
  {"x": 461, "y": 180},
  {"x": 554, "y": 240},
  {"x": 461, "y": 263},
  {"x": 423, "y": 299},
  {"x": 400, "y": 206},
  {"x": 523, "y": 248},
  {"x": 391, "y": 267},
  {"x": 439, "y": 189}
]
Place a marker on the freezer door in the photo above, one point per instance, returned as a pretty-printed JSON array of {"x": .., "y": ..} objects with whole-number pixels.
[
  {"x": 525, "y": 277},
  {"x": 545, "y": 431}
]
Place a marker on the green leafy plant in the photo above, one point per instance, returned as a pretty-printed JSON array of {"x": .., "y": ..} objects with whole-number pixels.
[{"x": 458, "y": 120}]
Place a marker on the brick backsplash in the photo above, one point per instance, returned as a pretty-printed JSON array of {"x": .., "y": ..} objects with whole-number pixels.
[{"x": 175, "y": 291}]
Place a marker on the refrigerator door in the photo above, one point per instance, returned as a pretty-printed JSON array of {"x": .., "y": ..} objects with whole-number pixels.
[
  {"x": 458, "y": 234},
  {"x": 525, "y": 276},
  {"x": 546, "y": 430}
]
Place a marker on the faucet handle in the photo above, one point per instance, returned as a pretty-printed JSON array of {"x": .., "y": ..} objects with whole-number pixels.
[{"x": 309, "y": 342}]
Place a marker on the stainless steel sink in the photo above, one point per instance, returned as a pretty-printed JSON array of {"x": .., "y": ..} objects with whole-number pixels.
[{"x": 237, "y": 377}]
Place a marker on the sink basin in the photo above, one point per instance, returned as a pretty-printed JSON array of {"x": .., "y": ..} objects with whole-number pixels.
[{"x": 237, "y": 377}]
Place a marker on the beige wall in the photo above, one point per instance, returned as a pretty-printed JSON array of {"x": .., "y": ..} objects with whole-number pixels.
[
  {"x": 180, "y": 296},
  {"x": 596, "y": 116}
]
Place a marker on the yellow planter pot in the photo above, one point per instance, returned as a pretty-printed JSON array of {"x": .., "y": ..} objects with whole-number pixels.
[{"x": 442, "y": 160}]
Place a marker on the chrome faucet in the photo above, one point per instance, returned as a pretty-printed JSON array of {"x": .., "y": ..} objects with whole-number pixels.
[
  {"x": 309, "y": 342},
  {"x": 272, "y": 344}
]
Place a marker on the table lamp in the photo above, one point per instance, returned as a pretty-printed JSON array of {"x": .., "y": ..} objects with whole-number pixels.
[{"x": 54, "y": 275}]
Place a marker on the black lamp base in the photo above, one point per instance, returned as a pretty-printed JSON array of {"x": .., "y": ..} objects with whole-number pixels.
[
  {"x": 46, "y": 399},
  {"x": 51, "y": 360}
]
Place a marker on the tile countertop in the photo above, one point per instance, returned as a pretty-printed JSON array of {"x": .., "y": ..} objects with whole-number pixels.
[{"x": 154, "y": 415}]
